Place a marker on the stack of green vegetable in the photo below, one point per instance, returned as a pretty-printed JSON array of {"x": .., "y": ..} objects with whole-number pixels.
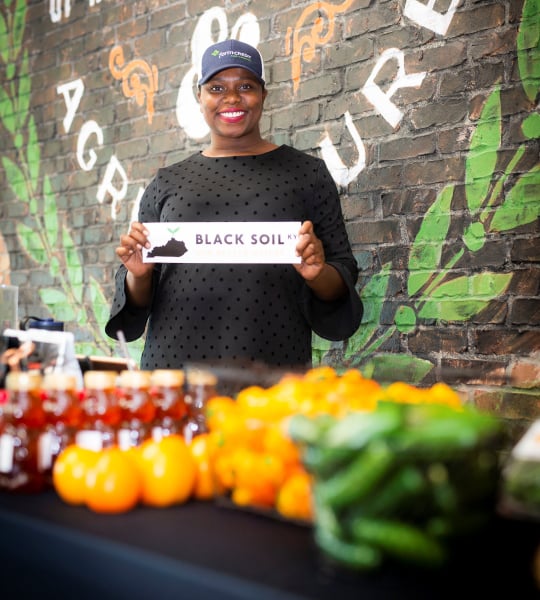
[{"x": 399, "y": 482}]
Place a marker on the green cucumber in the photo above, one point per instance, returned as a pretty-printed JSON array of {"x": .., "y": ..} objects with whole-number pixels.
[
  {"x": 354, "y": 482},
  {"x": 399, "y": 540},
  {"x": 355, "y": 556},
  {"x": 356, "y": 430},
  {"x": 308, "y": 430},
  {"x": 398, "y": 495}
]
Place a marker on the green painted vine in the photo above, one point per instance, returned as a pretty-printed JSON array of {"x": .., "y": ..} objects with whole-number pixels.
[
  {"x": 42, "y": 232},
  {"x": 499, "y": 197}
]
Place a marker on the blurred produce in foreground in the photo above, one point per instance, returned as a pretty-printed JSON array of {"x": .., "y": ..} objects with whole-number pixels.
[
  {"x": 258, "y": 465},
  {"x": 399, "y": 482}
]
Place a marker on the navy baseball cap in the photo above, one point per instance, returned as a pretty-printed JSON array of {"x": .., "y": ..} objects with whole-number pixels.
[{"x": 230, "y": 54}]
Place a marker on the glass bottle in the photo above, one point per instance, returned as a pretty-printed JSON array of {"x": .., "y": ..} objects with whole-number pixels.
[
  {"x": 23, "y": 423},
  {"x": 101, "y": 413},
  {"x": 63, "y": 415},
  {"x": 201, "y": 386},
  {"x": 169, "y": 400},
  {"x": 136, "y": 406}
]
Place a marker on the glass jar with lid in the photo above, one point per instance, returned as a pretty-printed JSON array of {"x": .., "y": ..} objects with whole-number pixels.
[
  {"x": 63, "y": 415},
  {"x": 167, "y": 389},
  {"x": 137, "y": 409},
  {"x": 101, "y": 412},
  {"x": 22, "y": 464},
  {"x": 201, "y": 386}
]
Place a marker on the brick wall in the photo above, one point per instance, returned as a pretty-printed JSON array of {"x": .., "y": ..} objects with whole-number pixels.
[{"x": 439, "y": 174}]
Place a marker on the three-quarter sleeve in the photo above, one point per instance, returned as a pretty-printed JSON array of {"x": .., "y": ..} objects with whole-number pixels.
[{"x": 339, "y": 319}]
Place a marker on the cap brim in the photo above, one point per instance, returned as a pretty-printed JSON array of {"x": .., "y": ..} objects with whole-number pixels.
[{"x": 223, "y": 68}]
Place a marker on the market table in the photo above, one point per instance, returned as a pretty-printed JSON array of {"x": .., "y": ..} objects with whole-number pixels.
[{"x": 202, "y": 550}]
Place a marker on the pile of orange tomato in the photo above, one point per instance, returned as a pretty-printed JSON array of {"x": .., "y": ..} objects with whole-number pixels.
[
  {"x": 245, "y": 456},
  {"x": 158, "y": 473}
]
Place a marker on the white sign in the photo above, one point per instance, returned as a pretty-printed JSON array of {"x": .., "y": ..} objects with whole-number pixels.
[{"x": 223, "y": 242}]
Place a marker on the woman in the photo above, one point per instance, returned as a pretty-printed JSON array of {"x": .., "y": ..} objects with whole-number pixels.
[{"x": 199, "y": 312}]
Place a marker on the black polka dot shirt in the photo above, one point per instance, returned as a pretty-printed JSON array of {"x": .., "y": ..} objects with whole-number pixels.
[{"x": 250, "y": 312}]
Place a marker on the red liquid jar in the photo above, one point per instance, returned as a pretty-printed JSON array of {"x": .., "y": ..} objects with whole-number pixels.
[
  {"x": 22, "y": 464},
  {"x": 167, "y": 390},
  {"x": 63, "y": 415},
  {"x": 136, "y": 407},
  {"x": 101, "y": 412}
]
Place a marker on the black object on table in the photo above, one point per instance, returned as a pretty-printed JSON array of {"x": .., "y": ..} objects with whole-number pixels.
[{"x": 202, "y": 551}]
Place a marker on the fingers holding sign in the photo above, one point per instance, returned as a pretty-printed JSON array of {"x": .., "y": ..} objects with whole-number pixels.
[
  {"x": 130, "y": 249},
  {"x": 310, "y": 249}
]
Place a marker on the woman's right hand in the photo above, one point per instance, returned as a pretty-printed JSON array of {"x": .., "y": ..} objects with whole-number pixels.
[{"x": 130, "y": 250}]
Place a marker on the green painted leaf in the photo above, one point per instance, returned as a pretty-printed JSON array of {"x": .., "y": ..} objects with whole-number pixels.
[
  {"x": 373, "y": 295},
  {"x": 320, "y": 344},
  {"x": 55, "y": 267},
  {"x": 57, "y": 302},
  {"x": 33, "y": 153},
  {"x": 53, "y": 296},
  {"x": 482, "y": 156},
  {"x": 522, "y": 203},
  {"x": 387, "y": 368},
  {"x": 73, "y": 260},
  {"x": 7, "y": 111},
  {"x": 32, "y": 243},
  {"x": 425, "y": 255},
  {"x": 463, "y": 297},
  {"x": 85, "y": 349},
  {"x": 4, "y": 40},
  {"x": 16, "y": 179},
  {"x": 405, "y": 319},
  {"x": 531, "y": 126},
  {"x": 474, "y": 236},
  {"x": 19, "y": 19},
  {"x": 25, "y": 88},
  {"x": 50, "y": 215},
  {"x": 528, "y": 48},
  {"x": 100, "y": 304},
  {"x": 33, "y": 205}
]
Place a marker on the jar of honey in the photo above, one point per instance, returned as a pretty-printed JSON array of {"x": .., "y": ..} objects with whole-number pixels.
[
  {"x": 22, "y": 461},
  {"x": 137, "y": 410},
  {"x": 201, "y": 386},
  {"x": 63, "y": 415},
  {"x": 167, "y": 389},
  {"x": 101, "y": 412}
]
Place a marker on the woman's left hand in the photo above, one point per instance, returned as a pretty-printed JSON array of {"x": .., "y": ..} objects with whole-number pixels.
[
  {"x": 324, "y": 280},
  {"x": 310, "y": 249}
]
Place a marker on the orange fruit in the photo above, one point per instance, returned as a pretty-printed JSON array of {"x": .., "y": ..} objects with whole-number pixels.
[
  {"x": 205, "y": 486},
  {"x": 294, "y": 499},
  {"x": 275, "y": 441},
  {"x": 218, "y": 408},
  {"x": 113, "y": 483},
  {"x": 224, "y": 467},
  {"x": 168, "y": 471},
  {"x": 259, "y": 474},
  {"x": 69, "y": 473}
]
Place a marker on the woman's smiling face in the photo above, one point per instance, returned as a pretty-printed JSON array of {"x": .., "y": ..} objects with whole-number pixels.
[{"x": 232, "y": 103}]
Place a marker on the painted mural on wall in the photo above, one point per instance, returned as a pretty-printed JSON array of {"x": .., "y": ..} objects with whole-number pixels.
[{"x": 500, "y": 194}]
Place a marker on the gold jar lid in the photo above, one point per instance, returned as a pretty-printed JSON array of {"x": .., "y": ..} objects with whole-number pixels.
[
  {"x": 100, "y": 380},
  {"x": 59, "y": 381},
  {"x": 134, "y": 379},
  {"x": 168, "y": 377},
  {"x": 23, "y": 381},
  {"x": 201, "y": 377}
]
